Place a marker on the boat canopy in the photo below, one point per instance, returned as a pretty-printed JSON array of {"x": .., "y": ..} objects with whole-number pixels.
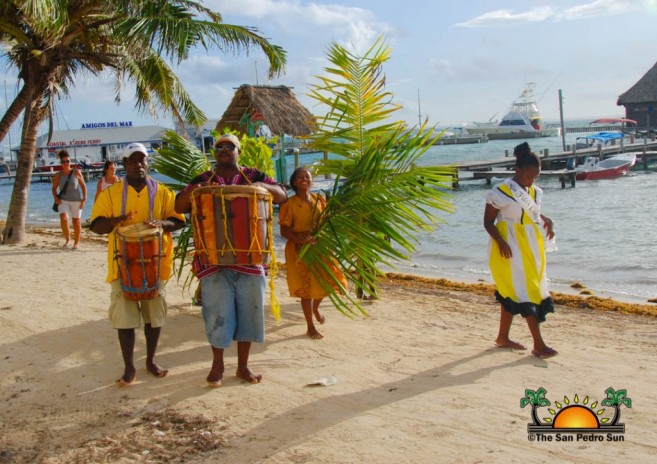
[
  {"x": 604, "y": 136},
  {"x": 614, "y": 121}
]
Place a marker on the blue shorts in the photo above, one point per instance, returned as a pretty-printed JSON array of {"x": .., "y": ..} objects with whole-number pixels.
[{"x": 233, "y": 307}]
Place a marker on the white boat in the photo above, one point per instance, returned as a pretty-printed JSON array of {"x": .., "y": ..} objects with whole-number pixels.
[{"x": 522, "y": 121}]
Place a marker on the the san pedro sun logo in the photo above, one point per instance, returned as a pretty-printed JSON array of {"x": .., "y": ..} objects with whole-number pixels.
[{"x": 585, "y": 420}]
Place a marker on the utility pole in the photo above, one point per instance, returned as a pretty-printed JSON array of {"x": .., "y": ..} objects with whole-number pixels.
[
  {"x": 419, "y": 113},
  {"x": 563, "y": 130}
]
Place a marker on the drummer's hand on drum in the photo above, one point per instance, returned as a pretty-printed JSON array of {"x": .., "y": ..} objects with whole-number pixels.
[
  {"x": 277, "y": 193},
  {"x": 155, "y": 223}
]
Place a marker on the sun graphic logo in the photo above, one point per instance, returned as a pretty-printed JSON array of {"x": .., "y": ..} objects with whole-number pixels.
[{"x": 575, "y": 421}]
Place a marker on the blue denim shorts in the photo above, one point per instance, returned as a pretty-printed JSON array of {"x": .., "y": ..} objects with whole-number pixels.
[{"x": 233, "y": 307}]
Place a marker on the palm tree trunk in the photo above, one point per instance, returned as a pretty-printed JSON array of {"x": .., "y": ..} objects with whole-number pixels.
[
  {"x": 13, "y": 112},
  {"x": 616, "y": 417},
  {"x": 14, "y": 231}
]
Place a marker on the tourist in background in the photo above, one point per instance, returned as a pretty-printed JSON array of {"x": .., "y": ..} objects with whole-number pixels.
[
  {"x": 107, "y": 178},
  {"x": 70, "y": 193},
  {"x": 513, "y": 220}
]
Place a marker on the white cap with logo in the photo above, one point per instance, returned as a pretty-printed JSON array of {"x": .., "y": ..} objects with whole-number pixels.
[{"x": 134, "y": 147}]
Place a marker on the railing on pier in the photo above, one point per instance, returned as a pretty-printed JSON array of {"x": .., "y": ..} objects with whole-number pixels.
[{"x": 485, "y": 169}]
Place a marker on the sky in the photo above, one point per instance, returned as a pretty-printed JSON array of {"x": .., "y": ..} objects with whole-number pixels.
[{"x": 451, "y": 62}]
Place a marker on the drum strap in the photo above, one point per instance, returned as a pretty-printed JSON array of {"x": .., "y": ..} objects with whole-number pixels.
[
  {"x": 235, "y": 180},
  {"x": 151, "y": 187}
]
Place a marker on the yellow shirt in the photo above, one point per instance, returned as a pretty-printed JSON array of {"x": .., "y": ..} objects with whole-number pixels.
[{"x": 108, "y": 205}]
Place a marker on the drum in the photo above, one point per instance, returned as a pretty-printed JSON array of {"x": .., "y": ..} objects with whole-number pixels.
[
  {"x": 232, "y": 224},
  {"x": 139, "y": 252}
]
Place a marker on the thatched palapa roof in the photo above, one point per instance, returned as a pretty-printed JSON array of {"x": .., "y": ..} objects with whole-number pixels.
[
  {"x": 275, "y": 106},
  {"x": 644, "y": 91}
]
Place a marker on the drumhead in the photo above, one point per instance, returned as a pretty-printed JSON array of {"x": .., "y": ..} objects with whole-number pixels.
[
  {"x": 137, "y": 231},
  {"x": 232, "y": 190}
]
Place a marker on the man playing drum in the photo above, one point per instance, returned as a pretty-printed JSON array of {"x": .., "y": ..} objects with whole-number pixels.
[
  {"x": 138, "y": 200},
  {"x": 233, "y": 295}
]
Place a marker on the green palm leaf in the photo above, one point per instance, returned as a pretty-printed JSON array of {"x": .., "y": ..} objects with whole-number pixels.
[{"x": 380, "y": 198}]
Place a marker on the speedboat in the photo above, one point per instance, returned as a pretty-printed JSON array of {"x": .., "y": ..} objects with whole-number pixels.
[
  {"x": 522, "y": 121},
  {"x": 610, "y": 168}
]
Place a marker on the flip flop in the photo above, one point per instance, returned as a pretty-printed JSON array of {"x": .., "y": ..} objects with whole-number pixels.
[
  {"x": 215, "y": 383},
  {"x": 549, "y": 353},
  {"x": 252, "y": 380},
  {"x": 123, "y": 383},
  {"x": 511, "y": 346}
]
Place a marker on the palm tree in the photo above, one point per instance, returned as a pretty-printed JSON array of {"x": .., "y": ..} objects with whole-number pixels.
[
  {"x": 51, "y": 43},
  {"x": 616, "y": 399},
  {"x": 536, "y": 399},
  {"x": 381, "y": 197}
]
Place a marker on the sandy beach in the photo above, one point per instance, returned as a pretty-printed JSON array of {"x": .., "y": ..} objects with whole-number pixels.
[{"x": 417, "y": 381}]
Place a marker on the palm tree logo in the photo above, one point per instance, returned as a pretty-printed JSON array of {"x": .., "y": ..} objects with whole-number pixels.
[{"x": 576, "y": 415}]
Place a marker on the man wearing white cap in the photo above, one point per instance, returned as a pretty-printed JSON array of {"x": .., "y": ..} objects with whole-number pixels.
[
  {"x": 233, "y": 295},
  {"x": 140, "y": 199}
]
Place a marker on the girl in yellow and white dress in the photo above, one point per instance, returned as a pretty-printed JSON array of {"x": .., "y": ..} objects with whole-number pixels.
[{"x": 517, "y": 253}]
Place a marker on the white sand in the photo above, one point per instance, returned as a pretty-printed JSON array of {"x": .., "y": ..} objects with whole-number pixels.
[{"x": 418, "y": 381}]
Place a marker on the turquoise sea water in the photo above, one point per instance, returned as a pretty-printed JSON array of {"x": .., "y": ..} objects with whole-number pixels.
[{"x": 607, "y": 229}]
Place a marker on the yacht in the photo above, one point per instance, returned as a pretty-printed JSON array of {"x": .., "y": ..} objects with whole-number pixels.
[{"x": 522, "y": 121}]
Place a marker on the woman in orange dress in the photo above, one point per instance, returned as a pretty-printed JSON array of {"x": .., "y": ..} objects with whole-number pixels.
[{"x": 298, "y": 218}]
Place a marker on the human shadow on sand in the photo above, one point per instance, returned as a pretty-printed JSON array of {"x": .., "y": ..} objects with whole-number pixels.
[{"x": 304, "y": 421}]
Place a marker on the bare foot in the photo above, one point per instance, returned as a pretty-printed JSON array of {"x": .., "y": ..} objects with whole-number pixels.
[
  {"x": 129, "y": 376},
  {"x": 545, "y": 353},
  {"x": 319, "y": 316},
  {"x": 312, "y": 333},
  {"x": 245, "y": 373},
  {"x": 156, "y": 370},
  {"x": 510, "y": 344},
  {"x": 214, "y": 378}
]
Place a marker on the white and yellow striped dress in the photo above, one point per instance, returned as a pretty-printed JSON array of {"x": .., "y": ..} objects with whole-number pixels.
[{"x": 521, "y": 281}]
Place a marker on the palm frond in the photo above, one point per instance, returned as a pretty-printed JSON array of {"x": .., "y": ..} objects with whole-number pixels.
[
  {"x": 180, "y": 160},
  {"x": 381, "y": 198}
]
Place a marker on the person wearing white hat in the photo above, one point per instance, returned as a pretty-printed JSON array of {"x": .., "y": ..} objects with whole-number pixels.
[
  {"x": 233, "y": 295},
  {"x": 138, "y": 199}
]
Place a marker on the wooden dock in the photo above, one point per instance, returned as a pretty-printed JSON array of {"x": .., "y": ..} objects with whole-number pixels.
[
  {"x": 554, "y": 164},
  {"x": 565, "y": 176}
]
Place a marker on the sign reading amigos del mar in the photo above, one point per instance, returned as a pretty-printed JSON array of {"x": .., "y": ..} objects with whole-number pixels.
[{"x": 103, "y": 125}]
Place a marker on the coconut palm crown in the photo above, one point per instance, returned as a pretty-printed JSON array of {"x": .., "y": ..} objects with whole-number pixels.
[
  {"x": 52, "y": 43},
  {"x": 382, "y": 196}
]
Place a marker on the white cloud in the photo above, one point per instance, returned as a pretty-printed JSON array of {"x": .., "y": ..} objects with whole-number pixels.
[
  {"x": 596, "y": 8},
  {"x": 599, "y": 8},
  {"x": 315, "y": 22},
  {"x": 501, "y": 18}
]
